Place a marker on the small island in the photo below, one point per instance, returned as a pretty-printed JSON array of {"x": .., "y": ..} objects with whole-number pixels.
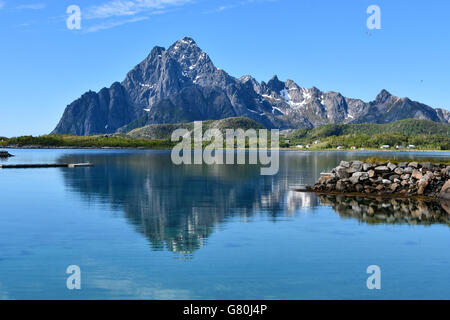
[
  {"x": 387, "y": 179},
  {"x": 5, "y": 154}
]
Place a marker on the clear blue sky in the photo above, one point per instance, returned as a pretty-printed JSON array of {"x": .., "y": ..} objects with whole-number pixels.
[{"x": 324, "y": 43}]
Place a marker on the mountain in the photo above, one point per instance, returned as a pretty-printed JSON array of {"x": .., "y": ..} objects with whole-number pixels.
[{"x": 181, "y": 84}]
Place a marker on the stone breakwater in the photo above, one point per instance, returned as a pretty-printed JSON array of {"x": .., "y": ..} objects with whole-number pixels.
[
  {"x": 386, "y": 178},
  {"x": 5, "y": 154}
]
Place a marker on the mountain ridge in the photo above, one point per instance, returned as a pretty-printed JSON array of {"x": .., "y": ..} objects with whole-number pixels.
[{"x": 181, "y": 84}]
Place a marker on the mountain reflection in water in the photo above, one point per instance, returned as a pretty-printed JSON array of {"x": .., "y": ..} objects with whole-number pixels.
[{"x": 178, "y": 207}]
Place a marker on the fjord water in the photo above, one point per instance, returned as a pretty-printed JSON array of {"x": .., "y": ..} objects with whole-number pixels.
[{"x": 140, "y": 227}]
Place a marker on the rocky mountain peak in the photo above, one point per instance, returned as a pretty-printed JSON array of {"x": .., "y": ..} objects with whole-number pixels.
[
  {"x": 275, "y": 84},
  {"x": 383, "y": 96},
  {"x": 181, "y": 84},
  {"x": 191, "y": 58}
]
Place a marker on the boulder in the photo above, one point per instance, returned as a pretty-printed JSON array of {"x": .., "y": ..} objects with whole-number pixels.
[
  {"x": 399, "y": 171},
  {"x": 382, "y": 169},
  {"x": 367, "y": 166},
  {"x": 340, "y": 186},
  {"x": 371, "y": 173},
  {"x": 394, "y": 177},
  {"x": 416, "y": 174},
  {"x": 386, "y": 181},
  {"x": 403, "y": 164},
  {"x": 359, "y": 176},
  {"x": 445, "y": 191},
  {"x": 413, "y": 165},
  {"x": 422, "y": 184},
  {"x": 405, "y": 176},
  {"x": 408, "y": 170},
  {"x": 351, "y": 171},
  {"x": 357, "y": 165},
  {"x": 345, "y": 164},
  {"x": 394, "y": 186},
  {"x": 391, "y": 166},
  {"x": 427, "y": 165},
  {"x": 341, "y": 172}
]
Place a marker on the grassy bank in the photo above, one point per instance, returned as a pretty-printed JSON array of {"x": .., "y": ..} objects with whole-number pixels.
[
  {"x": 118, "y": 141},
  {"x": 397, "y": 161},
  {"x": 97, "y": 141},
  {"x": 423, "y": 134}
]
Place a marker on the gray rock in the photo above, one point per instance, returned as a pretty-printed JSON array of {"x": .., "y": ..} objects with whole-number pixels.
[
  {"x": 357, "y": 176},
  {"x": 408, "y": 170},
  {"x": 399, "y": 171},
  {"x": 341, "y": 172},
  {"x": 386, "y": 181},
  {"x": 391, "y": 166},
  {"x": 394, "y": 177},
  {"x": 345, "y": 164},
  {"x": 367, "y": 166},
  {"x": 340, "y": 186},
  {"x": 413, "y": 165},
  {"x": 382, "y": 169},
  {"x": 403, "y": 164},
  {"x": 357, "y": 165},
  {"x": 427, "y": 165}
]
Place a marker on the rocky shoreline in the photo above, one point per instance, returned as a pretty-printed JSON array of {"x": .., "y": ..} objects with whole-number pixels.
[
  {"x": 5, "y": 154},
  {"x": 405, "y": 179}
]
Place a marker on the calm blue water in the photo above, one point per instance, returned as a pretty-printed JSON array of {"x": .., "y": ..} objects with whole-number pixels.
[{"x": 142, "y": 228}]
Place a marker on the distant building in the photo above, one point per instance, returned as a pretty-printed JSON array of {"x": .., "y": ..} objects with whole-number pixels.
[
  {"x": 300, "y": 146},
  {"x": 287, "y": 141},
  {"x": 340, "y": 147},
  {"x": 399, "y": 147},
  {"x": 308, "y": 146},
  {"x": 385, "y": 146},
  {"x": 411, "y": 146},
  {"x": 353, "y": 148},
  {"x": 317, "y": 142}
]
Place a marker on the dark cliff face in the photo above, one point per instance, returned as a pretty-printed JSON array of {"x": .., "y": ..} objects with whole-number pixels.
[{"x": 181, "y": 84}]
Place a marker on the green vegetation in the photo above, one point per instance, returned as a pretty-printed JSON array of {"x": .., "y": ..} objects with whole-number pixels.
[
  {"x": 164, "y": 131},
  {"x": 423, "y": 134},
  {"x": 408, "y": 127},
  {"x": 86, "y": 142},
  {"x": 397, "y": 161}
]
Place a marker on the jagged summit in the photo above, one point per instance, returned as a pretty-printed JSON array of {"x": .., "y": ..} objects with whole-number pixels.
[
  {"x": 383, "y": 96},
  {"x": 181, "y": 84}
]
